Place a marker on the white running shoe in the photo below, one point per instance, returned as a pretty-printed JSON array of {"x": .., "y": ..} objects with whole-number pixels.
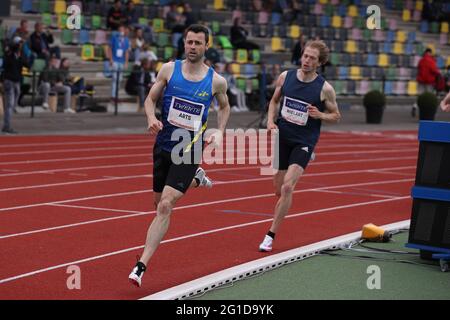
[
  {"x": 266, "y": 245},
  {"x": 45, "y": 105},
  {"x": 200, "y": 174},
  {"x": 136, "y": 275}
]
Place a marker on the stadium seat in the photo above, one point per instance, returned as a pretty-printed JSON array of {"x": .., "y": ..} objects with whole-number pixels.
[
  {"x": 398, "y": 48},
  {"x": 96, "y": 22},
  {"x": 100, "y": 37},
  {"x": 44, "y": 6},
  {"x": 61, "y": 21},
  {"x": 376, "y": 85},
  {"x": 263, "y": 17},
  {"x": 351, "y": 87},
  {"x": 340, "y": 87},
  {"x": 236, "y": 68},
  {"x": 168, "y": 53},
  {"x": 356, "y": 34},
  {"x": 411, "y": 36},
  {"x": 388, "y": 87},
  {"x": 383, "y": 60},
  {"x": 294, "y": 31},
  {"x": 228, "y": 55},
  {"x": 417, "y": 16},
  {"x": 406, "y": 15},
  {"x": 336, "y": 22},
  {"x": 392, "y": 24},
  {"x": 158, "y": 25},
  {"x": 67, "y": 37},
  {"x": 371, "y": 60},
  {"x": 225, "y": 42},
  {"x": 424, "y": 26},
  {"x": 256, "y": 56},
  {"x": 87, "y": 52},
  {"x": 343, "y": 72},
  {"x": 335, "y": 58},
  {"x": 60, "y": 7},
  {"x": 419, "y": 5},
  {"x": 355, "y": 73},
  {"x": 434, "y": 27},
  {"x": 219, "y": 5},
  {"x": 47, "y": 19},
  {"x": 391, "y": 73},
  {"x": 276, "y": 44},
  {"x": 215, "y": 27},
  {"x": 352, "y": 11},
  {"x": 401, "y": 36},
  {"x": 38, "y": 65},
  {"x": 241, "y": 56},
  {"x": 84, "y": 37},
  {"x": 363, "y": 87},
  {"x": 400, "y": 88},
  {"x": 26, "y": 6},
  {"x": 444, "y": 27},
  {"x": 275, "y": 18},
  {"x": 348, "y": 22},
  {"x": 380, "y": 35},
  {"x": 443, "y": 38},
  {"x": 351, "y": 47}
]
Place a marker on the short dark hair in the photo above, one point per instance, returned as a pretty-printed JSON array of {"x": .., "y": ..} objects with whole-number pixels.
[
  {"x": 198, "y": 28},
  {"x": 428, "y": 50}
]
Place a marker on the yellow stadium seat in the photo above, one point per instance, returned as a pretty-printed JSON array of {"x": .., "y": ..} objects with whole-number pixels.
[
  {"x": 419, "y": 5},
  {"x": 158, "y": 25},
  {"x": 236, "y": 68},
  {"x": 60, "y": 7},
  {"x": 383, "y": 60},
  {"x": 218, "y": 5},
  {"x": 336, "y": 22},
  {"x": 350, "y": 46},
  {"x": 398, "y": 48},
  {"x": 412, "y": 88},
  {"x": 294, "y": 31},
  {"x": 242, "y": 56},
  {"x": 276, "y": 44},
  {"x": 355, "y": 73},
  {"x": 159, "y": 66},
  {"x": 406, "y": 15},
  {"x": 432, "y": 47},
  {"x": 448, "y": 61},
  {"x": 444, "y": 27},
  {"x": 323, "y": 1},
  {"x": 87, "y": 52},
  {"x": 352, "y": 11},
  {"x": 401, "y": 36}
]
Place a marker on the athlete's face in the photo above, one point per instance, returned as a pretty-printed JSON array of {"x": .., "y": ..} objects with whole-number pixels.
[
  {"x": 310, "y": 60},
  {"x": 195, "y": 46}
]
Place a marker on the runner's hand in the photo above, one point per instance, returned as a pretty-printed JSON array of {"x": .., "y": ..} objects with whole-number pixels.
[
  {"x": 154, "y": 125},
  {"x": 215, "y": 138},
  {"x": 271, "y": 126},
  {"x": 313, "y": 112}
]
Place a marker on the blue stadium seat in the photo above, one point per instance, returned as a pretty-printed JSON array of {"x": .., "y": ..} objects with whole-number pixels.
[
  {"x": 26, "y": 6},
  {"x": 84, "y": 36},
  {"x": 275, "y": 18},
  {"x": 424, "y": 26},
  {"x": 388, "y": 88}
]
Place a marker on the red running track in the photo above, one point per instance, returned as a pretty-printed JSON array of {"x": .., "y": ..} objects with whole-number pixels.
[{"x": 87, "y": 201}]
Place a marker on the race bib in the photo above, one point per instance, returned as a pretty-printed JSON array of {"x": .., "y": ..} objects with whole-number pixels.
[
  {"x": 295, "y": 111},
  {"x": 185, "y": 114},
  {"x": 119, "y": 53}
]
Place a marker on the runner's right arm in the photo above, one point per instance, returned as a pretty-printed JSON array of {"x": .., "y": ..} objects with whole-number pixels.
[
  {"x": 154, "y": 125},
  {"x": 275, "y": 102}
]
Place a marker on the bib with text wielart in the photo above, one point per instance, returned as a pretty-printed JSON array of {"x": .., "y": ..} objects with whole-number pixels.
[
  {"x": 295, "y": 111},
  {"x": 185, "y": 114}
]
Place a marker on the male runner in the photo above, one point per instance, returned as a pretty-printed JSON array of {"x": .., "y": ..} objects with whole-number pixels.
[
  {"x": 190, "y": 87},
  {"x": 307, "y": 101}
]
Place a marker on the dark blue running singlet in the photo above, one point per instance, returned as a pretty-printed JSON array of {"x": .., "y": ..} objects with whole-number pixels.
[
  {"x": 185, "y": 105},
  {"x": 295, "y": 126}
]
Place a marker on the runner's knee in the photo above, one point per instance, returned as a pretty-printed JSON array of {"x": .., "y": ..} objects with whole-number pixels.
[{"x": 164, "y": 207}]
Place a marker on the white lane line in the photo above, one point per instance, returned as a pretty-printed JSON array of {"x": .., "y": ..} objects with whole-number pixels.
[
  {"x": 45, "y": 144},
  {"x": 316, "y": 163},
  {"x": 332, "y": 209},
  {"x": 108, "y": 195},
  {"x": 149, "y": 154},
  {"x": 76, "y": 159},
  {"x": 196, "y": 205},
  {"x": 74, "y": 150}
]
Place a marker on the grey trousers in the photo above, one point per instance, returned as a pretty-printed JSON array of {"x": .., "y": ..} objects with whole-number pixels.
[
  {"x": 11, "y": 97},
  {"x": 45, "y": 89}
]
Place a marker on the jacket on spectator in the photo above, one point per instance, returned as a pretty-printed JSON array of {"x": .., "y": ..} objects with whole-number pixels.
[{"x": 427, "y": 70}]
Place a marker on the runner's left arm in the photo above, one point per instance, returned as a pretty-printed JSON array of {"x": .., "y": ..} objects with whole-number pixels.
[{"x": 331, "y": 113}]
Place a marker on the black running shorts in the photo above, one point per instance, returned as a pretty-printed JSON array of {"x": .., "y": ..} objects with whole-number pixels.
[
  {"x": 289, "y": 153},
  {"x": 165, "y": 172}
]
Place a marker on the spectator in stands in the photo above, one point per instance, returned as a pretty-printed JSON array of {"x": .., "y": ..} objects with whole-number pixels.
[
  {"x": 137, "y": 42},
  {"x": 445, "y": 103},
  {"x": 141, "y": 80},
  {"x": 131, "y": 14},
  {"x": 427, "y": 72},
  {"x": 118, "y": 54},
  {"x": 146, "y": 53},
  {"x": 23, "y": 33},
  {"x": 447, "y": 79},
  {"x": 213, "y": 56},
  {"x": 175, "y": 20},
  {"x": 12, "y": 77},
  {"x": 116, "y": 17},
  {"x": 40, "y": 43},
  {"x": 52, "y": 79},
  {"x": 190, "y": 17},
  {"x": 297, "y": 50},
  {"x": 148, "y": 33},
  {"x": 272, "y": 77},
  {"x": 239, "y": 35},
  {"x": 235, "y": 95},
  {"x": 75, "y": 83}
]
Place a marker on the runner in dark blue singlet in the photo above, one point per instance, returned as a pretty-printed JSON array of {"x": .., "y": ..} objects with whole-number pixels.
[{"x": 306, "y": 100}]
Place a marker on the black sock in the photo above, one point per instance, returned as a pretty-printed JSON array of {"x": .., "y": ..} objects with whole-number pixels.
[
  {"x": 198, "y": 181},
  {"x": 271, "y": 234},
  {"x": 141, "y": 266}
]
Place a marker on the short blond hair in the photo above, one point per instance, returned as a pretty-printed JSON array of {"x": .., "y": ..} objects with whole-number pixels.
[{"x": 324, "y": 51}]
